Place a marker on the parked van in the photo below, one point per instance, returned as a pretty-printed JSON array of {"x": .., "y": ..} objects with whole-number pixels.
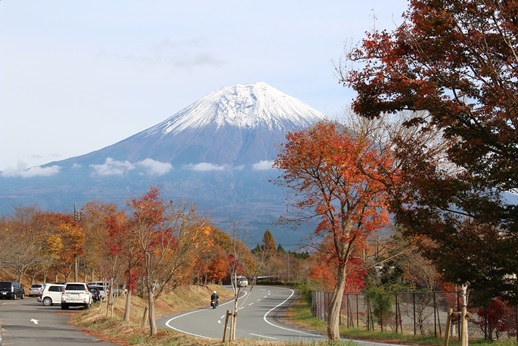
[{"x": 11, "y": 290}]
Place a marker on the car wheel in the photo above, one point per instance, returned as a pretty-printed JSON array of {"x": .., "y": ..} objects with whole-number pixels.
[
  {"x": 47, "y": 301},
  {"x": 64, "y": 306},
  {"x": 23, "y": 295},
  {"x": 87, "y": 306}
]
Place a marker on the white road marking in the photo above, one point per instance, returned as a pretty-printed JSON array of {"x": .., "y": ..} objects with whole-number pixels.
[
  {"x": 34, "y": 321},
  {"x": 262, "y": 336},
  {"x": 284, "y": 328},
  {"x": 195, "y": 311}
]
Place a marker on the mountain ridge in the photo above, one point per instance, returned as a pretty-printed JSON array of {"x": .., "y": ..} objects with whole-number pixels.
[
  {"x": 220, "y": 159},
  {"x": 230, "y": 126}
]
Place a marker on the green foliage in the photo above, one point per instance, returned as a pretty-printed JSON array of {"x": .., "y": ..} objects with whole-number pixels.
[
  {"x": 380, "y": 301},
  {"x": 305, "y": 291}
]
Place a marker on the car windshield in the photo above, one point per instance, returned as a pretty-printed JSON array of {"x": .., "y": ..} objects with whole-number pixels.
[
  {"x": 75, "y": 287},
  {"x": 5, "y": 285}
]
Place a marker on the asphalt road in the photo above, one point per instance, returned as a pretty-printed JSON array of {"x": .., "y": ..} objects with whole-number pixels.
[
  {"x": 25, "y": 322},
  {"x": 259, "y": 309}
]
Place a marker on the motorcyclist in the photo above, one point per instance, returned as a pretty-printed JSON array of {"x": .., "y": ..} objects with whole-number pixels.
[{"x": 214, "y": 298}]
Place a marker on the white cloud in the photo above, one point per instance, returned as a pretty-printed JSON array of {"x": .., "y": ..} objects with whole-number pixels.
[
  {"x": 112, "y": 167},
  {"x": 153, "y": 167},
  {"x": 205, "y": 167},
  {"x": 37, "y": 171},
  {"x": 263, "y": 165}
]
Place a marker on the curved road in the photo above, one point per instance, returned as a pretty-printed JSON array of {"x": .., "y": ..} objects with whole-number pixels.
[{"x": 259, "y": 308}]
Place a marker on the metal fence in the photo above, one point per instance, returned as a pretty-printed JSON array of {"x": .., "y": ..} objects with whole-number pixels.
[{"x": 415, "y": 313}]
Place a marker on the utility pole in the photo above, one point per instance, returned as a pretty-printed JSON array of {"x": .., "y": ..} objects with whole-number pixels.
[
  {"x": 77, "y": 218},
  {"x": 77, "y": 214}
]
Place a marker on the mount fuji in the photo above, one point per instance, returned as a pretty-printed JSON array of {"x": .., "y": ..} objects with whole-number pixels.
[{"x": 218, "y": 153}]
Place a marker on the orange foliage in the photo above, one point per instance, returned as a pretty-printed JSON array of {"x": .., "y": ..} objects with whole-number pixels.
[{"x": 338, "y": 177}]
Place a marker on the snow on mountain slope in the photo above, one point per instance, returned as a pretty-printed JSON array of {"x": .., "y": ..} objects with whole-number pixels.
[
  {"x": 243, "y": 106},
  {"x": 235, "y": 125}
]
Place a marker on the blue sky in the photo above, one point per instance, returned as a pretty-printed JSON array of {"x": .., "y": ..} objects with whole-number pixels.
[{"x": 77, "y": 76}]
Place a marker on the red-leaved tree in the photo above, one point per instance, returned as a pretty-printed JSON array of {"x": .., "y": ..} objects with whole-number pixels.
[
  {"x": 168, "y": 237},
  {"x": 335, "y": 175},
  {"x": 456, "y": 62}
]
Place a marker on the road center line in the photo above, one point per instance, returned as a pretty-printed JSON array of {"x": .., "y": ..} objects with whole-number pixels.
[{"x": 195, "y": 311}]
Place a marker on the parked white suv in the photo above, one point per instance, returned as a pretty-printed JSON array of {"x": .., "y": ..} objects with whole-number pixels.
[
  {"x": 75, "y": 294},
  {"x": 51, "y": 294}
]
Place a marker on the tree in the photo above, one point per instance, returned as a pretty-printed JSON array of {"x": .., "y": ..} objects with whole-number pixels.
[
  {"x": 218, "y": 267},
  {"x": 335, "y": 177},
  {"x": 97, "y": 258},
  {"x": 23, "y": 246},
  {"x": 269, "y": 245},
  {"x": 122, "y": 246},
  {"x": 62, "y": 242},
  {"x": 456, "y": 60},
  {"x": 495, "y": 318},
  {"x": 168, "y": 236}
]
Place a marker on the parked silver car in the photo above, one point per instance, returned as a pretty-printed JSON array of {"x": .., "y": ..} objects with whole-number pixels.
[{"x": 33, "y": 291}]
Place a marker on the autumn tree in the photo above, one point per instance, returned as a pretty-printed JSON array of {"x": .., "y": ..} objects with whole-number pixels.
[
  {"x": 269, "y": 244},
  {"x": 335, "y": 176},
  {"x": 22, "y": 247},
  {"x": 495, "y": 318},
  {"x": 456, "y": 60},
  {"x": 123, "y": 249},
  {"x": 168, "y": 236},
  {"x": 61, "y": 242},
  {"x": 236, "y": 250},
  {"x": 218, "y": 267},
  {"x": 97, "y": 260}
]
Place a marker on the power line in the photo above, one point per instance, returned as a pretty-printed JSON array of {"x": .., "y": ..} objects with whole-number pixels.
[{"x": 9, "y": 200}]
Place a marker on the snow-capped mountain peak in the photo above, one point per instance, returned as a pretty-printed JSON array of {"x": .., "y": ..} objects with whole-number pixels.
[
  {"x": 234, "y": 126},
  {"x": 242, "y": 106}
]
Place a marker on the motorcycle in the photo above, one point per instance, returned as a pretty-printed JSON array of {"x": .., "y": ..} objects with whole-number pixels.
[{"x": 214, "y": 303}]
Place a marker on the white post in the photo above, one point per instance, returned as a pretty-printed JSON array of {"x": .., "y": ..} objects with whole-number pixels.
[{"x": 464, "y": 317}]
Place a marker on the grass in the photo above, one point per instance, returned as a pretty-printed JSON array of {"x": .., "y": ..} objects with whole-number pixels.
[
  {"x": 102, "y": 324},
  {"x": 300, "y": 313}
]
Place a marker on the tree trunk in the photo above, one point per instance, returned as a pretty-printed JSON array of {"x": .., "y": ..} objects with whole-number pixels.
[
  {"x": 333, "y": 323},
  {"x": 76, "y": 269},
  {"x": 128, "y": 306},
  {"x": 151, "y": 314}
]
